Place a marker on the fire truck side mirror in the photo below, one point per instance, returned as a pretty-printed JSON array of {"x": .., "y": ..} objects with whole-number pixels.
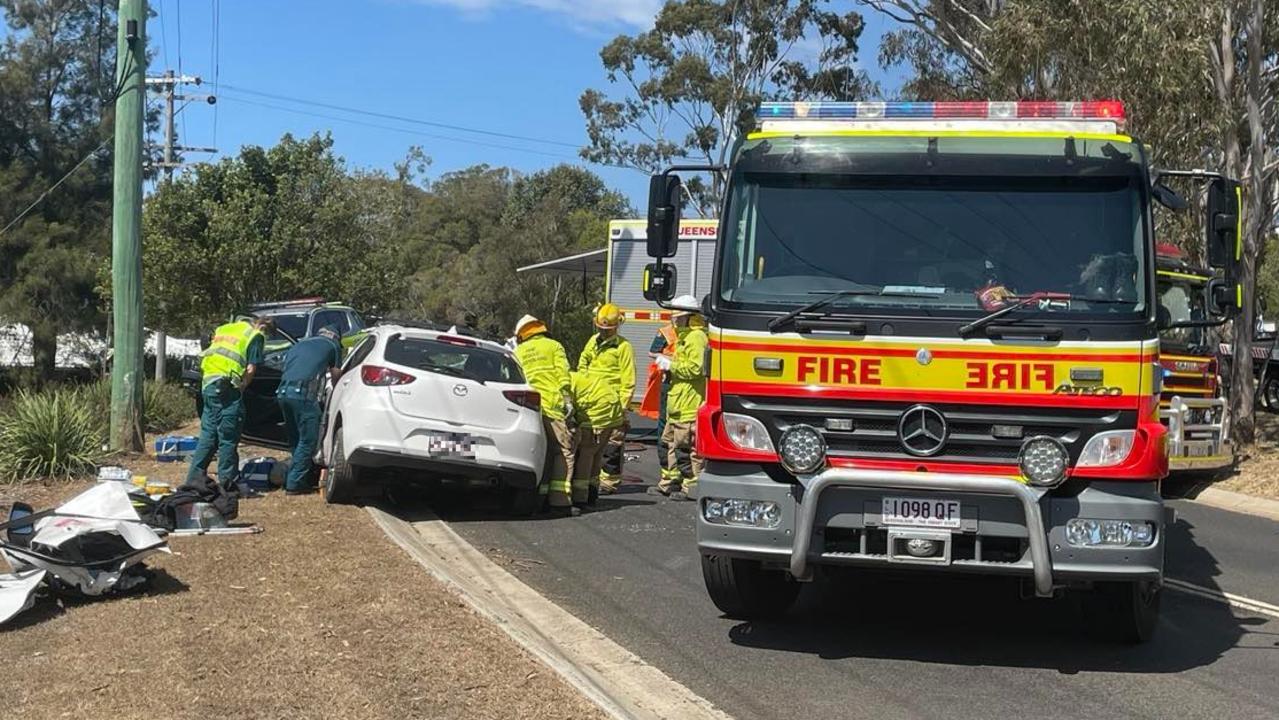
[
  {"x": 1223, "y": 241},
  {"x": 664, "y": 203},
  {"x": 659, "y": 282},
  {"x": 1223, "y": 297}
]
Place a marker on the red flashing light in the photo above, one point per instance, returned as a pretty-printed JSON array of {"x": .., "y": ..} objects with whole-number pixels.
[{"x": 377, "y": 376}]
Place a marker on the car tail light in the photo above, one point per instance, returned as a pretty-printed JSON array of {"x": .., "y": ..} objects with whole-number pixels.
[
  {"x": 381, "y": 376},
  {"x": 524, "y": 398},
  {"x": 454, "y": 340}
]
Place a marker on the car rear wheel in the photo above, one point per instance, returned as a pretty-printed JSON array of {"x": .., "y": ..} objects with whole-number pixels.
[
  {"x": 745, "y": 590},
  {"x": 521, "y": 502},
  {"x": 341, "y": 479}
]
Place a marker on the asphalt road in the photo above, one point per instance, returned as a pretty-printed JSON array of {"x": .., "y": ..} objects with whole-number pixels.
[{"x": 892, "y": 647}]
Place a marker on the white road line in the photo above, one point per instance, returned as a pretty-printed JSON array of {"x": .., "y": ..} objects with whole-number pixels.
[
  {"x": 1236, "y": 601},
  {"x": 618, "y": 681}
]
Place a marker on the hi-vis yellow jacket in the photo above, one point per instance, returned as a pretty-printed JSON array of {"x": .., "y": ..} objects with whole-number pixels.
[
  {"x": 612, "y": 360},
  {"x": 688, "y": 376},
  {"x": 227, "y": 355},
  {"x": 546, "y": 369},
  {"x": 596, "y": 401}
]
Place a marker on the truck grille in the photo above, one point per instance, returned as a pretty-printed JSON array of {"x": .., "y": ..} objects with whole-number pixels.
[{"x": 971, "y": 436}]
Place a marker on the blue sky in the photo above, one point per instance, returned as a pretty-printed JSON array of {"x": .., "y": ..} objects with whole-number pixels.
[{"x": 507, "y": 66}]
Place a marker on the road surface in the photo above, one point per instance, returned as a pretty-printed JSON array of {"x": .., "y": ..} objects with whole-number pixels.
[{"x": 888, "y": 647}]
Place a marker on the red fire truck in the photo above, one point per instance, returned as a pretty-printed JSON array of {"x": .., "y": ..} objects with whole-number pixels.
[
  {"x": 934, "y": 347},
  {"x": 1192, "y": 404}
]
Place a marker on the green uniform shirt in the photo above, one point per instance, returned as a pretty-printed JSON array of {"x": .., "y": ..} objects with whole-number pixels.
[
  {"x": 612, "y": 360},
  {"x": 546, "y": 369},
  {"x": 687, "y": 375}
]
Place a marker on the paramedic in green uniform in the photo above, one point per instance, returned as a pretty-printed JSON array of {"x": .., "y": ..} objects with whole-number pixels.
[
  {"x": 305, "y": 365},
  {"x": 227, "y": 367}
]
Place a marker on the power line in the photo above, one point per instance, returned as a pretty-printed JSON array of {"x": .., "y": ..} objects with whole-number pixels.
[
  {"x": 401, "y": 118},
  {"x": 164, "y": 35},
  {"x": 365, "y": 123},
  {"x": 54, "y": 186}
]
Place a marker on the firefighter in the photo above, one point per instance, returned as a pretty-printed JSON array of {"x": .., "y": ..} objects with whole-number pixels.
[
  {"x": 546, "y": 369},
  {"x": 301, "y": 384},
  {"x": 681, "y": 465},
  {"x": 227, "y": 368},
  {"x": 598, "y": 414},
  {"x": 609, "y": 356}
]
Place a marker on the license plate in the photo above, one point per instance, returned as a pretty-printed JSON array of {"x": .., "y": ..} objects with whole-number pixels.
[
  {"x": 457, "y": 444},
  {"x": 917, "y": 512}
]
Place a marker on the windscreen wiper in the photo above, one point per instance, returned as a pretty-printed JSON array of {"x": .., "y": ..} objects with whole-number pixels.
[
  {"x": 446, "y": 370},
  {"x": 983, "y": 321},
  {"x": 827, "y": 299}
]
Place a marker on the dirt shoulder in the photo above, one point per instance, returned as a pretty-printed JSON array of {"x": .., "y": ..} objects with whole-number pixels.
[
  {"x": 1258, "y": 473},
  {"x": 320, "y": 616}
]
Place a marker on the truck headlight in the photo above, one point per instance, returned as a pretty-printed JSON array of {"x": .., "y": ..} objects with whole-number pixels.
[
  {"x": 747, "y": 433},
  {"x": 1085, "y": 532},
  {"x": 1107, "y": 448},
  {"x": 802, "y": 449},
  {"x": 741, "y": 512},
  {"x": 1043, "y": 460}
]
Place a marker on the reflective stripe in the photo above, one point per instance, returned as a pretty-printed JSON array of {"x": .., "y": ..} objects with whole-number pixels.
[
  {"x": 227, "y": 353},
  {"x": 560, "y": 486}
]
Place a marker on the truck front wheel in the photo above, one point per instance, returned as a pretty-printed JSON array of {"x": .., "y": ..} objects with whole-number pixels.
[
  {"x": 1126, "y": 611},
  {"x": 745, "y": 590}
]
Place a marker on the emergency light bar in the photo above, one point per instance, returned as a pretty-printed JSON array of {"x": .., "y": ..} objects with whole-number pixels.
[{"x": 1112, "y": 110}]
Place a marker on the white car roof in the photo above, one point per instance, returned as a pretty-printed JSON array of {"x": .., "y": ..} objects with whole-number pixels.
[{"x": 416, "y": 332}]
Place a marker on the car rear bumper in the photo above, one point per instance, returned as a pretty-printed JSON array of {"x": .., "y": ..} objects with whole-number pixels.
[
  {"x": 1008, "y": 528},
  {"x": 443, "y": 467}
]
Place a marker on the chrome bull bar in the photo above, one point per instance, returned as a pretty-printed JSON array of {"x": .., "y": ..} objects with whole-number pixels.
[{"x": 815, "y": 485}]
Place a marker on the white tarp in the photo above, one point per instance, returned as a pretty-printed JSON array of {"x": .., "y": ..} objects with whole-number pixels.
[
  {"x": 104, "y": 508},
  {"x": 18, "y": 592}
]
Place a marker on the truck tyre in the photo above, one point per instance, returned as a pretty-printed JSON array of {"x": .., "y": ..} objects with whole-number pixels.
[
  {"x": 1270, "y": 393},
  {"x": 1126, "y": 611},
  {"x": 342, "y": 477},
  {"x": 745, "y": 590}
]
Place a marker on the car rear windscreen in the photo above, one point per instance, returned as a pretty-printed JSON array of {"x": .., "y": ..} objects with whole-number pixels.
[{"x": 467, "y": 361}]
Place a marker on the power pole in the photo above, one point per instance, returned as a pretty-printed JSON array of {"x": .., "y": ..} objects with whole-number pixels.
[
  {"x": 168, "y": 84},
  {"x": 126, "y": 229}
]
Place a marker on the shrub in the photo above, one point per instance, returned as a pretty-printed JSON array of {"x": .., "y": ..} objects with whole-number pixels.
[
  {"x": 165, "y": 406},
  {"x": 51, "y": 434}
]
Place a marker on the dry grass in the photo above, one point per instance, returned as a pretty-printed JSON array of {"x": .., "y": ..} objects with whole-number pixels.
[
  {"x": 320, "y": 616},
  {"x": 1258, "y": 474}
]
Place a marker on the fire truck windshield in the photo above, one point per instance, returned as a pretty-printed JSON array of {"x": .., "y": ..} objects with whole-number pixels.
[
  {"x": 1181, "y": 301},
  {"x": 938, "y": 245}
]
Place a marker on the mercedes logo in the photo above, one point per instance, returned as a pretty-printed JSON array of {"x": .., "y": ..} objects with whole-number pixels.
[
  {"x": 460, "y": 390},
  {"x": 922, "y": 430},
  {"x": 923, "y": 356}
]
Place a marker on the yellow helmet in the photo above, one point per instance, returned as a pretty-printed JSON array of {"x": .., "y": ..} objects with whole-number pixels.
[{"x": 608, "y": 316}]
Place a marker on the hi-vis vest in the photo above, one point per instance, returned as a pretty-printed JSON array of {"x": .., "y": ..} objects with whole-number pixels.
[{"x": 227, "y": 355}]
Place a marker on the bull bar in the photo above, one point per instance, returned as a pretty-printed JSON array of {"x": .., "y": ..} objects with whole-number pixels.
[{"x": 815, "y": 485}]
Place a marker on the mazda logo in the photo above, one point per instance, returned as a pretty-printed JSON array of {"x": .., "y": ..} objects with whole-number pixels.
[
  {"x": 460, "y": 390},
  {"x": 921, "y": 430}
]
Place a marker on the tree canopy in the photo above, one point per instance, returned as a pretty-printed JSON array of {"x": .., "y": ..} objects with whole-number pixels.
[
  {"x": 690, "y": 86},
  {"x": 56, "y": 90}
]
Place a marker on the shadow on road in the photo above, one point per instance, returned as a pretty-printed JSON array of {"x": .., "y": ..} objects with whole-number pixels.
[
  {"x": 961, "y": 621},
  {"x": 467, "y": 506}
]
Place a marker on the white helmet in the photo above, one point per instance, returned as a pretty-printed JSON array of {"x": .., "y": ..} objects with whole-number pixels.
[
  {"x": 528, "y": 326},
  {"x": 685, "y": 305}
]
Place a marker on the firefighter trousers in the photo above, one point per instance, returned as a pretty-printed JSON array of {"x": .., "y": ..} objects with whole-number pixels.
[
  {"x": 591, "y": 444},
  {"x": 682, "y": 465},
  {"x": 559, "y": 463},
  {"x": 614, "y": 459}
]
